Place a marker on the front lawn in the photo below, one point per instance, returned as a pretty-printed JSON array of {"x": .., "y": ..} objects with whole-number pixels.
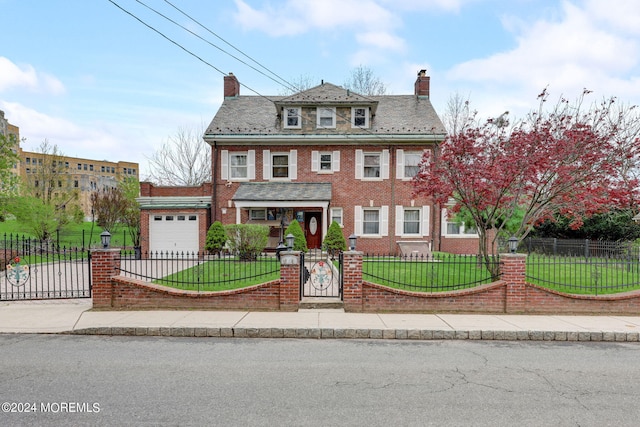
[{"x": 224, "y": 274}]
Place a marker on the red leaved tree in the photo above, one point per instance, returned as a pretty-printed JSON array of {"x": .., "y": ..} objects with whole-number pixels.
[{"x": 568, "y": 161}]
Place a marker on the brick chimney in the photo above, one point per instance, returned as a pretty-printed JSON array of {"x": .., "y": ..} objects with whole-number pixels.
[
  {"x": 231, "y": 86},
  {"x": 422, "y": 84}
]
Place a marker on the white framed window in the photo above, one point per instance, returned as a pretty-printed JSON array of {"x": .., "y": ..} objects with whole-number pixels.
[
  {"x": 326, "y": 117},
  {"x": 371, "y": 221},
  {"x": 372, "y": 165},
  {"x": 325, "y": 161},
  {"x": 451, "y": 228},
  {"x": 292, "y": 118},
  {"x": 238, "y": 165},
  {"x": 360, "y": 117},
  {"x": 336, "y": 215},
  {"x": 407, "y": 164},
  {"x": 412, "y": 221},
  {"x": 257, "y": 214},
  {"x": 280, "y": 165}
]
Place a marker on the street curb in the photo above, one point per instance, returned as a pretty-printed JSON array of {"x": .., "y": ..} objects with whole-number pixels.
[{"x": 347, "y": 333}]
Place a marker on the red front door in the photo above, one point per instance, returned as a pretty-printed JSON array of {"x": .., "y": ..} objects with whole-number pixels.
[{"x": 313, "y": 229}]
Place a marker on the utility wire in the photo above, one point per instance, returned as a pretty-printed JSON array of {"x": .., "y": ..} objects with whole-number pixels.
[
  {"x": 212, "y": 44},
  {"x": 376, "y": 135},
  {"x": 287, "y": 84}
]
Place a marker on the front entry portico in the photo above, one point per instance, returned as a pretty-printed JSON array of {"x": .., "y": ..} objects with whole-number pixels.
[{"x": 276, "y": 204}]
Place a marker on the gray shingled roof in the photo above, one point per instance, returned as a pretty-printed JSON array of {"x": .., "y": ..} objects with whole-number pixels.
[
  {"x": 257, "y": 115},
  {"x": 283, "y": 191}
]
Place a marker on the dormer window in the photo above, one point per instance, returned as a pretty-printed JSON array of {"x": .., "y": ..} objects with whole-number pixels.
[
  {"x": 326, "y": 117},
  {"x": 360, "y": 117},
  {"x": 292, "y": 118}
]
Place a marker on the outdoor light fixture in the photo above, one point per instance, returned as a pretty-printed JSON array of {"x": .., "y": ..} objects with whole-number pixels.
[
  {"x": 290, "y": 238},
  {"x": 513, "y": 244},
  {"x": 105, "y": 238},
  {"x": 352, "y": 242}
]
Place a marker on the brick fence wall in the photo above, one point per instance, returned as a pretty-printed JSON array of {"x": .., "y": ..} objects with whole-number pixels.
[{"x": 511, "y": 294}]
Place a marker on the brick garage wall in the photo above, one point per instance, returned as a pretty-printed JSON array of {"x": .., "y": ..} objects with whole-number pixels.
[
  {"x": 147, "y": 189},
  {"x": 130, "y": 293}
]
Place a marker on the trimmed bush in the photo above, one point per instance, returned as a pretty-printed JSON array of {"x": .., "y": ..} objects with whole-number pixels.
[
  {"x": 247, "y": 240},
  {"x": 334, "y": 242},
  {"x": 300, "y": 242},
  {"x": 216, "y": 238}
]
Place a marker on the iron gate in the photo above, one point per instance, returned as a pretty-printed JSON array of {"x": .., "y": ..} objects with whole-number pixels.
[
  {"x": 30, "y": 270},
  {"x": 320, "y": 275}
]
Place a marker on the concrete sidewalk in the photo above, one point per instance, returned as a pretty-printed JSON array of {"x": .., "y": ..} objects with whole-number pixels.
[{"x": 76, "y": 317}]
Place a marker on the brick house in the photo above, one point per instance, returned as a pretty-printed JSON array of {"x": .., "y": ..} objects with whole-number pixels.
[{"x": 321, "y": 155}]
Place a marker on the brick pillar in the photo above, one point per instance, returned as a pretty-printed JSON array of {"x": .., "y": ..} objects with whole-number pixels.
[
  {"x": 513, "y": 272},
  {"x": 352, "y": 281},
  {"x": 104, "y": 265},
  {"x": 289, "y": 281}
]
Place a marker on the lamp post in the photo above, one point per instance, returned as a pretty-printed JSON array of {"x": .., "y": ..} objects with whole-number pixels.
[
  {"x": 105, "y": 238},
  {"x": 513, "y": 244},
  {"x": 290, "y": 238},
  {"x": 352, "y": 242}
]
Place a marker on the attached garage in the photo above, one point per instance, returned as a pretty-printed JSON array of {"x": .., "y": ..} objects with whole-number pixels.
[
  {"x": 174, "y": 224},
  {"x": 177, "y": 233}
]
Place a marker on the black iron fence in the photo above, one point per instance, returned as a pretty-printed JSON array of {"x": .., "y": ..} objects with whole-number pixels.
[
  {"x": 32, "y": 269},
  {"x": 199, "y": 271},
  {"x": 583, "y": 275},
  {"x": 579, "y": 247},
  {"x": 428, "y": 273}
]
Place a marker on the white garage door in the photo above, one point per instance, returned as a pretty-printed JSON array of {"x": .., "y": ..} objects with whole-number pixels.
[{"x": 173, "y": 233}]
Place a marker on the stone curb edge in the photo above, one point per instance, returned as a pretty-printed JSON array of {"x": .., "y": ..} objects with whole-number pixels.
[{"x": 331, "y": 333}]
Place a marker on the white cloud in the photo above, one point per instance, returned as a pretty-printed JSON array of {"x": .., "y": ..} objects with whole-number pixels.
[
  {"x": 582, "y": 48},
  {"x": 382, "y": 40},
  {"x": 13, "y": 76},
  {"x": 295, "y": 17}
]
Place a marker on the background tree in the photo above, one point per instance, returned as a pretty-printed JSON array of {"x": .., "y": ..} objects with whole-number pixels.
[
  {"x": 185, "y": 159},
  {"x": 363, "y": 81},
  {"x": 561, "y": 161},
  {"x": 35, "y": 216},
  {"x": 8, "y": 179},
  {"x": 299, "y": 241},
  {"x": 108, "y": 207},
  {"x": 50, "y": 182},
  {"x": 614, "y": 225},
  {"x": 130, "y": 188},
  {"x": 299, "y": 84},
  {"x": 457, "y": 114},
  {"x": 334, "y": 242},
  {"x": 216, "y": 238}
]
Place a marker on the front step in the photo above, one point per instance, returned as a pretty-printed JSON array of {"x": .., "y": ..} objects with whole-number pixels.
[{"x": 321, "y": 303}]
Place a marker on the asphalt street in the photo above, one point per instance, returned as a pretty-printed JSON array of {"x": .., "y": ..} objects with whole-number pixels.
[{"x": 102, "y": 380}]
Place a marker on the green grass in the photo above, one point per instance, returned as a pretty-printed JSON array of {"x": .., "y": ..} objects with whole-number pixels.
[
  {"x": 72, "y": 235},
  {"x": 445, "y": 272},
  {"x": 577, "y": 275},
  {"x": 573, "y": 275},
  {"x": 223, "y": 274}
]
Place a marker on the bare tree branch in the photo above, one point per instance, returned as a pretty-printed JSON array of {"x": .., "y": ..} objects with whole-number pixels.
[{"x": 185, "y": 159}]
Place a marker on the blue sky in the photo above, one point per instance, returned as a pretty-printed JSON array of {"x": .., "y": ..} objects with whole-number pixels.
[{"x": 99, "y": 84}]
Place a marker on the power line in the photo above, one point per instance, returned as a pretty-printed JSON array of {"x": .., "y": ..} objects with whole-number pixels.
[
  {"x": 207, "y": 41},
  {"x": 376, "y": 135},
  {"x": 287, "y": 84}
]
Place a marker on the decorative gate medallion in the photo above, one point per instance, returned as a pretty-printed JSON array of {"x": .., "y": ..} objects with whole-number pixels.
[
  {"x": 321, "y": 275},
  {"x": 17, "y": 272}
]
